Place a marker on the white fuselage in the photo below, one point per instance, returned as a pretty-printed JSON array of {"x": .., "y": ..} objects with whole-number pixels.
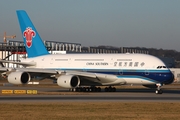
[{"x": 133, "y": 68}]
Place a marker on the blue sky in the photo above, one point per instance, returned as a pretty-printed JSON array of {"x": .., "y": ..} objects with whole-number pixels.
[{"x": 119, "y": 23}]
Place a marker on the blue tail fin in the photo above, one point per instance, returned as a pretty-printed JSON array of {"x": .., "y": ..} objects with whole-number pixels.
[{"x": 34, "y": 45}]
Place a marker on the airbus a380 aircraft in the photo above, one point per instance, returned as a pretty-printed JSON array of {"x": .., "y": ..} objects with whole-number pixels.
[{"x": 74, "y": 71}]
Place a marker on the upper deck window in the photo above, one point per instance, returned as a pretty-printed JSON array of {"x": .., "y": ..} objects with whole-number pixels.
[
  {"x": 89, "y": 59},
  {"x": 61, "y": 59}
]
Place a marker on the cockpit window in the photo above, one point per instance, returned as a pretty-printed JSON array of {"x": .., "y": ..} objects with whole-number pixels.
[{"x": 159, "y": 67}]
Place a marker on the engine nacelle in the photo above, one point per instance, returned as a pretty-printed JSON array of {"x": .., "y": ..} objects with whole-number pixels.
[
  {"x": 68, "y": 81},
  {"x": 19, "y": 77}
]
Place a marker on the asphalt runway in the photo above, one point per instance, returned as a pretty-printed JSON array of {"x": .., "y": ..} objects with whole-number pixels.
[
  {"x": 93, "y": 97},
  {"x": 170, "y": 94}
]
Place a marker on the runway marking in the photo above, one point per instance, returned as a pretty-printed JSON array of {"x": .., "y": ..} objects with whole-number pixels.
[
  {"x": 19, "y": 91},
  {"x": 7, "y": 91},
  {"x": 32, "y": 92}
]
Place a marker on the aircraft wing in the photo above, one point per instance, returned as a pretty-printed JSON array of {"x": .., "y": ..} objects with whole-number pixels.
[
  {"x": 86, "y": 77},
  {"x": 56, "y": 73}
]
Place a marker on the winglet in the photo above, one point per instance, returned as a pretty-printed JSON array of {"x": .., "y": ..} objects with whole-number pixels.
[{"x": 33, "y": 43}]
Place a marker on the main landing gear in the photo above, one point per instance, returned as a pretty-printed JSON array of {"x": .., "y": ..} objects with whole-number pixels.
[
  {"x": 92, "y": 89},
  {"x": 158, "y": 90},
  {"x": 86, "y": 89},
  {"x": 110, "y": 89}
]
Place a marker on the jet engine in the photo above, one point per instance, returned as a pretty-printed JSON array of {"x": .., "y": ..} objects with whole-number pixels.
[
  {"x": 19, "y": 77},
  {"x": 68, "y": 81}
]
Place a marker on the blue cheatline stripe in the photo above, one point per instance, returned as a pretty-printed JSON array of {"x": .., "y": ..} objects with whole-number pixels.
[
  {"x": 157, "y": 76},
  {"x": 140, "y": 77}
]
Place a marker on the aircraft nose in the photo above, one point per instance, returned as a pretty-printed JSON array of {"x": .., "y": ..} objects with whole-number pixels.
[{"x": 170, "y": 78}]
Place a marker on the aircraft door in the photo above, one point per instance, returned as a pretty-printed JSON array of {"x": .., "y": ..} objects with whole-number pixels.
[
  {"x": 120, "y": 68},
  {"x": 51, "y": 61},
  {"x": 120, "y": 71},
  {"x": 146, "y": 72},
  {"x": 84, "y": 69},
  {"x": 42, "y": 63}
]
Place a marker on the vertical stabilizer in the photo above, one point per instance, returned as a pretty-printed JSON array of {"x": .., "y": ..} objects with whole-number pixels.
[{"x": 33, "y": 43}]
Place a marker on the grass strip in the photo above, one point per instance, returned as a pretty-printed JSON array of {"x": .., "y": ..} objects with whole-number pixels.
[{"x": 90, "y": 111}]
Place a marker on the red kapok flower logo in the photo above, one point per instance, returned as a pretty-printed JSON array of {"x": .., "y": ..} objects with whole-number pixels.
[{"x": 28, "y": 34}]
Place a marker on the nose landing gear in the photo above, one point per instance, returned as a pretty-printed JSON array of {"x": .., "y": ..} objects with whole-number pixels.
[{"x": 158, "y": 90}]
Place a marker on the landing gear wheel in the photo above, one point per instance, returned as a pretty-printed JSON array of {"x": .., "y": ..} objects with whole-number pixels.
[
  {"x": 86, "y": 89},
  {"x": 159, "y": 91},
  {"x": 106, "y": 89},
  {"x": 110, "y": 89},
  {"x": 113, "y": 89},
  {"x": 98, "y": 89}
]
